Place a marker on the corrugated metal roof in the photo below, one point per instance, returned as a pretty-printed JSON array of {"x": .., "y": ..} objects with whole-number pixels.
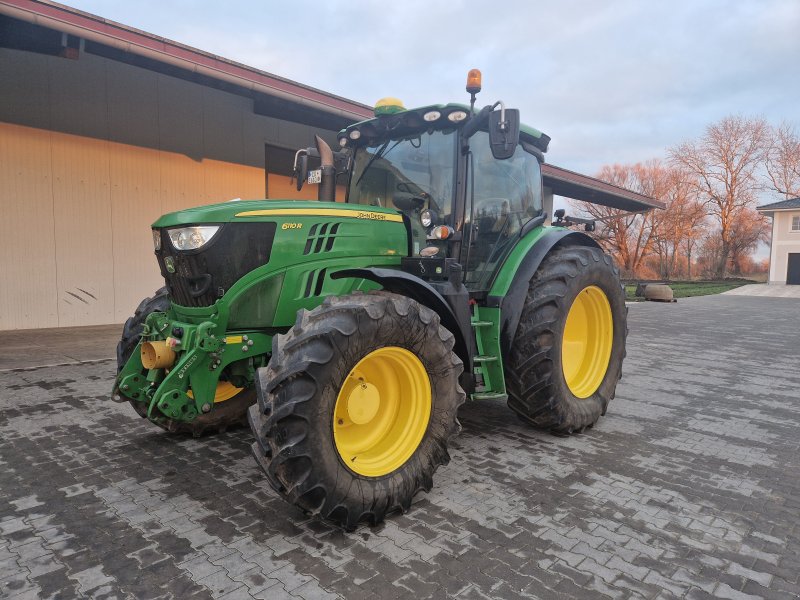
[
  {"x": 95, "y": 28},
  {"x": 582, "y": 187}
]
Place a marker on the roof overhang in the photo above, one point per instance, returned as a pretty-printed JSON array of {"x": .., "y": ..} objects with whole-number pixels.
[
  {"x": 582, "y": 187},
  {"x": 769, "y": 211},
  {"x": 128, "y": 40}
]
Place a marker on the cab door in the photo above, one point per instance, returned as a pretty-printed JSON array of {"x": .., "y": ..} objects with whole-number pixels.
[{"x": 507, "y": 193}]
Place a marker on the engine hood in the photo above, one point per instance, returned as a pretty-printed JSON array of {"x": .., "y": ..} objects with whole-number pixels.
[{"x": 261, "y": 210}]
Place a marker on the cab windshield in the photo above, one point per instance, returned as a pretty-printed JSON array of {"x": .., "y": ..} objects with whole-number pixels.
[{"x": 410, "y": 175}]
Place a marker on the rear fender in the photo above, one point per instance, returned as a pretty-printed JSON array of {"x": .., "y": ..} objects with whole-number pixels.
[{"x": 512, "y": 301}]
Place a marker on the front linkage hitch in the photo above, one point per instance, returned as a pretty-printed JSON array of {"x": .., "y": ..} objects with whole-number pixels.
[{"x": 176, "y": 368}]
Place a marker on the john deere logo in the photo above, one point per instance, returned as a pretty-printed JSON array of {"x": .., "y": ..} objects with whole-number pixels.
[{"x": 169, "y": 263}]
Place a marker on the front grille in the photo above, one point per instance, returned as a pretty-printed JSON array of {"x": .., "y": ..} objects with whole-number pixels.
[{"x": 200, "y": 277}]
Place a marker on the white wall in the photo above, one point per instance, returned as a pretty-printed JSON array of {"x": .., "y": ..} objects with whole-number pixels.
[
  {"x": 784, "y": 241},
  {"x": 76, "y": 243}
]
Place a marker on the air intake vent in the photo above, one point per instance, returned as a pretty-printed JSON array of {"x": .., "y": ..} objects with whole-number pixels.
[
  {"x": 314, "y": 281},
  {"x": 321, "y": 238}
]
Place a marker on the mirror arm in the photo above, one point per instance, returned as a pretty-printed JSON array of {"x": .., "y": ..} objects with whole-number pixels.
[
  {"x": 502, "y": 123},
  {"x": 296, "y": 156},
  {"x": 296, "y": 169},
  {"x": 472, "y": 126}
]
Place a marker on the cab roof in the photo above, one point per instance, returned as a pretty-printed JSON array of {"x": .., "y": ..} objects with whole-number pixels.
[
  {"x": 412, "y": 121},
  {"x": 561, "y": 182}
]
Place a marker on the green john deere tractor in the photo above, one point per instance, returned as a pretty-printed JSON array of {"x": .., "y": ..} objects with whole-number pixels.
[{"x": 350, "y": 333}]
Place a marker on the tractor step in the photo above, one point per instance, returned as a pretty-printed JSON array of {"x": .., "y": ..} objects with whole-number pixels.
[
  {"x": 489, "y": 396},
  {"x": 484, "y": 359},
  {"x": 481, "y": 323}
]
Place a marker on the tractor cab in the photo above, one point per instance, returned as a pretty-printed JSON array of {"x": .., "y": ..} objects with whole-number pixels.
[
  {"x": 436, "y": 165},
  {"x": 467, "y": 183}
]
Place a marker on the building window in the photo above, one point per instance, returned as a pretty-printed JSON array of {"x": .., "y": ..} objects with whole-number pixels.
[{"x": 796, "y": 223}]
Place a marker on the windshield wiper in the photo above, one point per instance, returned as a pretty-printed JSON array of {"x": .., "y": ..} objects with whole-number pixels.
[{"x": 381, "y": 151}]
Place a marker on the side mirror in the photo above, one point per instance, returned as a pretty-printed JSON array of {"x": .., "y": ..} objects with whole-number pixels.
[
  {"x": 301, "y": 169},
  {"x": 504, "y": 132}
]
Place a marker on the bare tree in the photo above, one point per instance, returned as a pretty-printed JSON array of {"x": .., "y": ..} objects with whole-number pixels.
[
  {"x": 709, "y": 251},
  {"x": 628, "y": 236},
  {"x": 783, "y": 162},
  {"x": 681, "y": 221},
  {"x": 724, "y": 164},
  {"x": 748, "y": 229},
  {"x": 695, "y": 233}
]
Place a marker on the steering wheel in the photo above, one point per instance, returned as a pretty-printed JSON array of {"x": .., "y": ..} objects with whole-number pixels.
[
  {"x": 409, "y": 203},
  {"x": 418, "y": 192}
]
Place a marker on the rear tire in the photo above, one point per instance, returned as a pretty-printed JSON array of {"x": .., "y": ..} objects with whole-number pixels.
[
  {"x": 305, "y": 398},
  {"x": 541, "y": 390},
  {"x": 226, "y": 414}
]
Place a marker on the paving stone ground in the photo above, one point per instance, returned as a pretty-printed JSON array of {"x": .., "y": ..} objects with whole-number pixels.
[{"x": 689, "y": 487}]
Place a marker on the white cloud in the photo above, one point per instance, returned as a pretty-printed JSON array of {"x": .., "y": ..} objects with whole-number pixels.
[{"x": 617, "y": 81}]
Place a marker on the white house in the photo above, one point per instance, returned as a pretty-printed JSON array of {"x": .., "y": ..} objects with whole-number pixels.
[{"x": 784, "y": 258}]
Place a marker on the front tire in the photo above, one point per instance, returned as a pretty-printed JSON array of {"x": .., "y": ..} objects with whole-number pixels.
[
  {"x": 228, "y": 412},
  {"x": 357, "y": 406},
  {"x": 566, "y": 358}
]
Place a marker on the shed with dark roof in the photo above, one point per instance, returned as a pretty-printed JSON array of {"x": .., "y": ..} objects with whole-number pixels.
[{"x": 104, "y": 127}]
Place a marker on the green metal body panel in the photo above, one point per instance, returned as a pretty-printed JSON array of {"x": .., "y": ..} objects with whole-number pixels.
[
  {"x": 225, "y": 212},
  {"x": 237, "y": 330},
  {"x": 508, "y": 271}
]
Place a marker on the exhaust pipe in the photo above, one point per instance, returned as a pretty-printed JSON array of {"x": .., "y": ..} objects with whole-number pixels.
[
  {"x": 157, "y": 355},
  {"x": 327, "y": 187}
]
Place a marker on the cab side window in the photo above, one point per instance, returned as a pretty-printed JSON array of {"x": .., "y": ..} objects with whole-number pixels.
[{"x": 507, "y": 193}]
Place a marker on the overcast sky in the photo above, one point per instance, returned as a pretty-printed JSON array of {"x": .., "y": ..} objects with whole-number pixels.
[{"x": 611, "y": 81}]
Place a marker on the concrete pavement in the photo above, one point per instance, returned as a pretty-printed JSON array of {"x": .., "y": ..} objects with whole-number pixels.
[
  {"x": 764, "y": 290},
  {"x": 27, "y": 348},
  {"x": 688, "y": 488}
]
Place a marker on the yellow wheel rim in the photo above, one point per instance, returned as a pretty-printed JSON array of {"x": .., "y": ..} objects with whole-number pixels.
[
  {"x": 225, "y": 391},
  {"x": 382, "y": 411},
  {"x": 587, "y": 341}
]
